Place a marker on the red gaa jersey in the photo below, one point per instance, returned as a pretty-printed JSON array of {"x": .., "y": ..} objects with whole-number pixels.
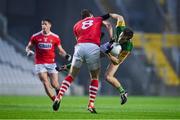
[
  {"x": 88, "y": 30},
  {"x": 45, "y": 46}
]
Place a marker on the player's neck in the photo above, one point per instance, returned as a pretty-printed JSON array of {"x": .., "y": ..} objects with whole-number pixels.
[{"x": 46, "y": 32}]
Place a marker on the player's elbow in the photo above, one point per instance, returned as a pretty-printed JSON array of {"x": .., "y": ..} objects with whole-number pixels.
[
  {"x": 117, "y": 16},
  {"x": 120, "y": 18},
  {"x": 108, "y": 26}
]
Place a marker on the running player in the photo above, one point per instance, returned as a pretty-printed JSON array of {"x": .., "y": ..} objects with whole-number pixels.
[
  {"x": 87, "y": 32},
  {"x": 45, "y": 43}
]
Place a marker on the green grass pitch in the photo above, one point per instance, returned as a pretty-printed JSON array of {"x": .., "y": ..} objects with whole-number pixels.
[{"x": 108, "y": 107}]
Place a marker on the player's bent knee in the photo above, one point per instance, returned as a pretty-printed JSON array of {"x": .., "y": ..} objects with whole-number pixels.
[
  {"x": 108, "y": 77},
  {"x": 94, "y": 74}
]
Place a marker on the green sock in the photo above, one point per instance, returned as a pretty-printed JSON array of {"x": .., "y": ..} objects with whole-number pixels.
[{"x": 121, "y": 90}]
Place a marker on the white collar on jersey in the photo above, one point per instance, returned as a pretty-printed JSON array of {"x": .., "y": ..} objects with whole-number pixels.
[{"x": 46, "y": 34}]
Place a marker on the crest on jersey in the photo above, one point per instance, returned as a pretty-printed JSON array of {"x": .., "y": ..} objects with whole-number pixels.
[{"x": 45, "y": 39}]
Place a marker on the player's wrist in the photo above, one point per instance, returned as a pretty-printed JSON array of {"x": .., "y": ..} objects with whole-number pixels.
[
  {"x": 68, "y": 57},
  {"x": 112, "y": 40},
  {"x": 109, "y": 48},
  {"x": 29, "y": 52}
]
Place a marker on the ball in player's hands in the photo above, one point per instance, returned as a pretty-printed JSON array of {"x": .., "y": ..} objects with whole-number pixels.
[{"x": 116, "y": 49}]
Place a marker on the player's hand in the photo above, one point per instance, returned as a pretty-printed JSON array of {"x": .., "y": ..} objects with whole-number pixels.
[
  {"x": 68, "y": 57},
  {"x": 30, "y": 53},
  {"x": 109, "y": 48},
  {"x": 61, "y": 68},
  {"x": 113, "y": 39}
]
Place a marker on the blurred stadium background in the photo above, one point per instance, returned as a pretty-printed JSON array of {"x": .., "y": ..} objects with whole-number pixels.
[{"x": 153, "y": 68}]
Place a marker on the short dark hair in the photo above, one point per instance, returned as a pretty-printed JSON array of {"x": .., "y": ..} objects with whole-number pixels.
[
  {"x": 48, "y": 20},
  {"x": 86, "y": 13},
  {"x": 128, "y": 32}
]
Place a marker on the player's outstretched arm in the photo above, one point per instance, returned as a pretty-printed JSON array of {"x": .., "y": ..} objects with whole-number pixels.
[
  {"x": 109, "y": 28},
  {"x": 116, "y": 16},
  {"x": 63, "y": 53}
]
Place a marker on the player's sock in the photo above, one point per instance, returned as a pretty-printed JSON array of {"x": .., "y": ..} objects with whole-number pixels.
[
  {"x": 53, "y": 98},
  {"x": 93, "y": 89},
  {"x": 121, "y": 90},
  {"x": 64, "y": 86}
]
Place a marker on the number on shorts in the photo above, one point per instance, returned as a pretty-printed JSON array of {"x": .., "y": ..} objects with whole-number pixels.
[{"x": 87, "y": 24}]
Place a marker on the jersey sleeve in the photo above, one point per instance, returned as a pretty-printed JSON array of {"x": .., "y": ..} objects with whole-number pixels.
[
  {"x": 32, "y": 39},
  {"x": 57, "y": 41},
  {"x": 120, "y": 26},
  {"x": 120, "y": 23}
]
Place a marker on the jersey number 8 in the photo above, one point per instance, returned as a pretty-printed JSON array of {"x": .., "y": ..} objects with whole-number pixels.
[{"x": 87, "y": 24}]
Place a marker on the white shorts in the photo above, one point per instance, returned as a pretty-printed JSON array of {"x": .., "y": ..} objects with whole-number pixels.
[
  {"x": 50, "y": 68},
  {"x": 88, "y": 53}
]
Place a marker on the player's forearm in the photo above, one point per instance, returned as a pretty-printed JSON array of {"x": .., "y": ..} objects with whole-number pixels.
[
  {"x": 28, "y": 50},
  {"x": 116, "y": 16},
  {"x": 28, "y": 47},
  {"x": 113, "y": 59},
  {"x": 62, "y": 53},
  {"x": 123, "y": 55},
  {"x": 110, "y": 30}
]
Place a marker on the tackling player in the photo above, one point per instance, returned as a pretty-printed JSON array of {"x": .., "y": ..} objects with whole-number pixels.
[
  {"x": 45, "y": 43},
  {"x": 87, "y": 32}
]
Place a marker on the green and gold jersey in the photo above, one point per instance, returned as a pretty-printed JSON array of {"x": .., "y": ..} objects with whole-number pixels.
[{"x": 126, "y": 46}]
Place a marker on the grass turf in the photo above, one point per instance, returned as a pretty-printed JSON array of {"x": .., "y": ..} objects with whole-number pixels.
[{"x": 40, "y": 107}]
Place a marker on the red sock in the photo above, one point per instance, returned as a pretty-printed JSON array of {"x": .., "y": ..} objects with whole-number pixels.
[
  {"x": 53, "y": 97},
  {"x": 93, "y": 89},
  {"x": 65, "y": 85}
]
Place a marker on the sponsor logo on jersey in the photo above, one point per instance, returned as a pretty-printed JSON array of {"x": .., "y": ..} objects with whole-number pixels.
[{"x": 45, "y": 45}]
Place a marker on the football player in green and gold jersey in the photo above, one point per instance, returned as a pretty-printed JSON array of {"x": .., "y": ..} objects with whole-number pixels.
[{"x": 123, "y": 37}]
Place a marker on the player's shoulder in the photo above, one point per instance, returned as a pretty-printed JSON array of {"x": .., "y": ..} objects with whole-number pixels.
[
  {"x": 54, "y": 35},
  {"x": 77, "y": 23},
  {"x": 99, "y": 18},
  {"x": 37, "y": 34}
]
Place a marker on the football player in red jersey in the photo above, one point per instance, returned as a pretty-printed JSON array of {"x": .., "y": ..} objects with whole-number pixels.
[
  {"x": 87, "y": 32},
  {"x": 45, "y": 43}
]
